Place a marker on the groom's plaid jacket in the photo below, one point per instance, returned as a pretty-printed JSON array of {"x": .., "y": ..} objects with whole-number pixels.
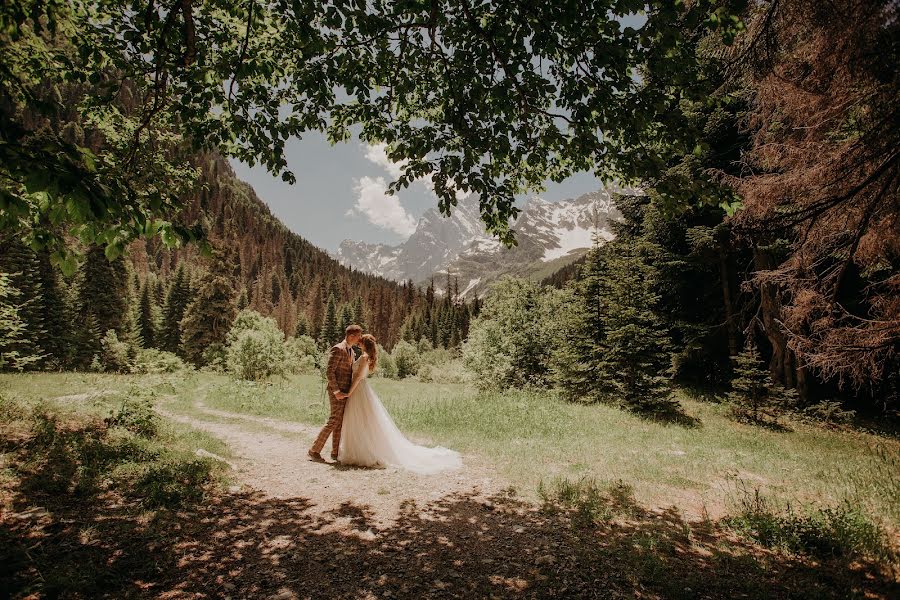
[{"x": 340, "y": 368}]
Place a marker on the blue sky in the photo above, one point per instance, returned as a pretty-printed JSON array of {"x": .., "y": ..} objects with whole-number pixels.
[{"x": 338, "y": 193}]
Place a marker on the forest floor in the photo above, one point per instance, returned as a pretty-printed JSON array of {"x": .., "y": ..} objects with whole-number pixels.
[{"x": 282, "y": 526}]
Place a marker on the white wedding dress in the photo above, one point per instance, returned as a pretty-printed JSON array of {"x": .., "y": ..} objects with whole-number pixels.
[{"x": 369, "y": 437}]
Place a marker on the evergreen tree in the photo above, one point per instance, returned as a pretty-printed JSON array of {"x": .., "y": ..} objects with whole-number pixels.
[
  {"x": 754, "y": 396},
  {"x": 207, "y": 318},
  {"x": 243, "y": 300},
  {"x": 346, "y": 317},
  {"x": 57, "y": 312},
  {"x": 636, "y": 357},
  {"x": 302, "y": 327},
  {"x": 20, "y": 263},
  {"x": 177, "y": 301},
  {"x": 358, "y": 313},
  {"x": 103, "y": 289},
  {"x": 574, "y": 361},
  {"x": 146, "y": 319},
  {"x": 328, "y": 334},
  {"x": 13, "y": 329}
]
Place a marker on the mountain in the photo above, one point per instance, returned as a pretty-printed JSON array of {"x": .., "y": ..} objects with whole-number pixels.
[
  {"x": 436, "y": 242},
  {"x": 274, "y": 270},
  {"x": 550, "y": 235}
]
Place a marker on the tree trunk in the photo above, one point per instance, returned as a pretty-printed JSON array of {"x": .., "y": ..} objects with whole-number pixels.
[
  {"x": 730, "y": 323},
  {"x": 783, "y": 363}
]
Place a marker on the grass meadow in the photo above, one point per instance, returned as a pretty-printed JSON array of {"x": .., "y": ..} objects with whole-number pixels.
[{"x": 535, "y": 439}]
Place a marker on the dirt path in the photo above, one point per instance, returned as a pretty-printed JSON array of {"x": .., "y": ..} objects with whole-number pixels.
[{"x": 270, "y": 456}]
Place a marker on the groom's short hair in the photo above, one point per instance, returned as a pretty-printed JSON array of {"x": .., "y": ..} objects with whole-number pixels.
[{"x": 352, "y": 330}]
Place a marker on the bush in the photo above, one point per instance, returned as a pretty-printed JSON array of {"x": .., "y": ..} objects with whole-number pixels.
[
  {"x": 829, "y": 412},
  {"x": 255, "y": 347},
  {"x": 151, "y": 360},
  {"x": 448, "y": 372},
  {"x": 386, "y": 365},
  {"x": 840, "y": 531},
  {"x": 508, "y": 344},
  {"x": 137, "y": 416},
  {"x": 114, "y": 353},
  {"x": 255, "y": 355},
  {"x": 592, "y": 502},
  {"x": 406, "y": 358},
  {"x": 300, "y": 354},
  {"x": 173, "y": 483}
]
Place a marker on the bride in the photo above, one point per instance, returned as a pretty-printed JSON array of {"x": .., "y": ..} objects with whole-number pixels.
[{"x": 370, "y": 437}]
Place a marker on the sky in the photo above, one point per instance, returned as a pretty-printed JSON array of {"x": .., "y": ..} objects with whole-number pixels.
[{"x": 339, "y": 193}]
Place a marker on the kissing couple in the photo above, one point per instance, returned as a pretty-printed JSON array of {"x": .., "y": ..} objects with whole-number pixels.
[{"x": 362, "y": 432}]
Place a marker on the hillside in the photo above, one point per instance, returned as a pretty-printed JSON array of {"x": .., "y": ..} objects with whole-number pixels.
[{"x": 282, "y": 274}]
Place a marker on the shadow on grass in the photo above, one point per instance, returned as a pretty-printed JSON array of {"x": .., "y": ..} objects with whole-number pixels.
[
  {"x": 247, "y": 545},
  {"x": 68, "y": 534}
]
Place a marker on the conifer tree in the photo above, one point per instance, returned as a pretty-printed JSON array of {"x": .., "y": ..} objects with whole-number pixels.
[
  {"x": 177, "y": 301},
  {"x": 103, "y": 290},
  {"x": 12, "y": 328},
  {"x": 574, "y": 362},
  {"x": 346, "y": 317},
  {"x": 57, "y": 344},
  {"x": 302, "y": 327},
  {"x": 20, "y": 263},
  {"x": 146, "y": 319},
  {"x": 358, "y": 313},
  {"x": 243, "y": 300},
  {"x": 328, "y": 334},
  {"x": 754, "y": 396},
  {"x": 636, "y": 357},
  {"x": 207, "y": 318}
]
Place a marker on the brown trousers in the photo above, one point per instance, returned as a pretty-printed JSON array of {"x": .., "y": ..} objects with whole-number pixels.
[{"x": 333, "y": 426}]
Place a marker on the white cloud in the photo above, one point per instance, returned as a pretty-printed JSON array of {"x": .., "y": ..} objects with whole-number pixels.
[
  {"x": 377, "y": 153},
  {"x": 379, "y": 208}
]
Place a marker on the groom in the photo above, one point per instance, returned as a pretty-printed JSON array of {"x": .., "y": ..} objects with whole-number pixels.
[{"x": 340, "y": 375}]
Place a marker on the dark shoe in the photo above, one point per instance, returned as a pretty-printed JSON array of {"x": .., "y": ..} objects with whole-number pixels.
[
  {"x": 315, "y": 456},
  {"x": 334, "y": 457}
]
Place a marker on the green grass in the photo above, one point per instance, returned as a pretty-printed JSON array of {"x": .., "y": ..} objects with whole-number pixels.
[{"x": 533, "y": 437}]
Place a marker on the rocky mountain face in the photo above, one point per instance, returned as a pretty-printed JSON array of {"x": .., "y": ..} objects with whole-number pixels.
[{"x": 550, "y": 235}]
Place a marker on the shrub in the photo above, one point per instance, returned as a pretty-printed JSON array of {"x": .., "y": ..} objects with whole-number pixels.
[
  {"x": 173, "y": 483},
  {"x": 386, "y": 365},
  {"x": 508, "y": 344},
  {"x": 114, "y": 353},
  {"x": 406, "y": 358},
  {"x": 255, "y": 355},
  {"x": 300, "y": 354},
  {"x": 151, "y": 360},
  {"x": 840, "y": 531},
  {"x": 136, "y": 414},
  {"x": 829, "y": 412},
  {"x": 255, "y": 347},
  {"x": 426, "y": 373},
  {"x": 592, "y": 502}
]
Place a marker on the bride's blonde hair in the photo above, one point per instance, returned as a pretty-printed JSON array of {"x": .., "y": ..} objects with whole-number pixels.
[{"x": 368, "y": 344}]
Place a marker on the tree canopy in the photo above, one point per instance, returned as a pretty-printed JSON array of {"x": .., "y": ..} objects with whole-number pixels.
[{"x": 102, "y": 103}]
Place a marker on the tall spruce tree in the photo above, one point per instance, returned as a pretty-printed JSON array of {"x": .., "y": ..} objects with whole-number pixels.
[
  {"x": 636, "y": 357},
  {"x": 177, "y": 300},
  {"x": 328, "y": 334},
  {"x": 103, "y": 290},
  {"x": 21, "y": 264},
  {"x": 146, "y": 317},
  {"x": 582, "y": 345},
  {"x": 207, "y": 318},
  {"x": 57, "y": 343}
]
